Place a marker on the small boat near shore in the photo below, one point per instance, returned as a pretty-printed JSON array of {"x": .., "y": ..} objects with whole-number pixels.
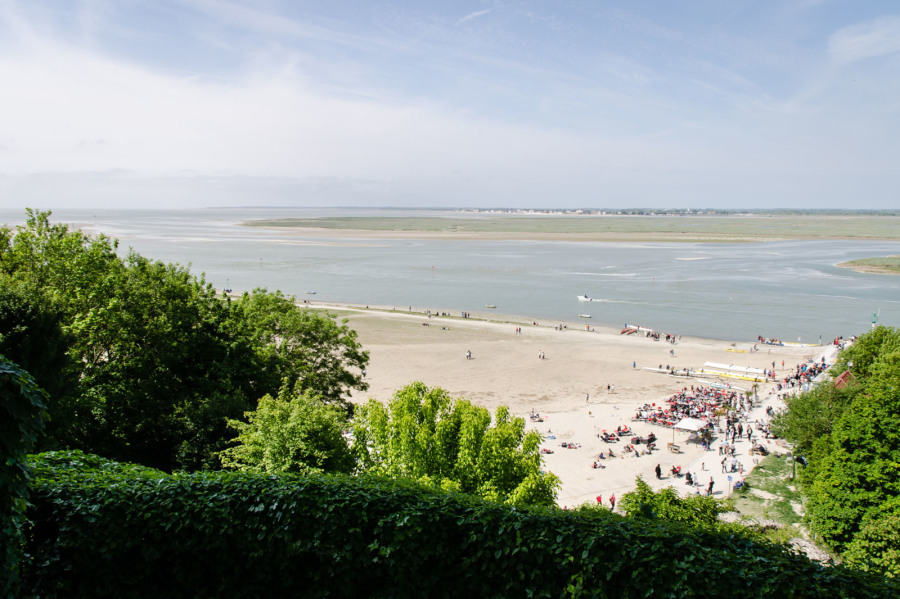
[
  {"x": 490, "y": 306},
  {"x": 310, "y": 293},
  {"x": 584, "y": 316}
]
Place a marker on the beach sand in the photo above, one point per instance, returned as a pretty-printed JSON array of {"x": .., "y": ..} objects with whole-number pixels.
[{"x": 568, "y": 388}]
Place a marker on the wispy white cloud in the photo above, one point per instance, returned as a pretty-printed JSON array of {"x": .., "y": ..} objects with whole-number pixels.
[
  {"x": 474, "y": 15},
  {"x": 607, "y": 108},
  {"x": 877, "y": 37}
]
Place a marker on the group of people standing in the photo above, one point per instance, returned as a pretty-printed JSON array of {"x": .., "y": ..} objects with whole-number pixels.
[{"x": 612, "y": 501}]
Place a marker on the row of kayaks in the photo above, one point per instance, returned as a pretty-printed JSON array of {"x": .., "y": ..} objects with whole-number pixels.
[{"x": 707, "y": 372}]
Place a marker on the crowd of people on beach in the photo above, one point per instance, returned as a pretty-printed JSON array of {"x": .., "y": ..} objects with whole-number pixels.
[
  {"x": 670, "y": 338},
  {"x": 712, "y": 405},
  {"x": 692, "y": 402},
  {"x": 801, "y": 377},
  {"x": 728, "y": 425}
]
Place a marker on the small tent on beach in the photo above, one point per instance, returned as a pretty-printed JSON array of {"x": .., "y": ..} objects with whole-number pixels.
[{"x": 690, "y": 424}]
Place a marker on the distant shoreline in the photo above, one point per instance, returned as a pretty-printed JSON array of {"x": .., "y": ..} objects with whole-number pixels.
[{"x": 593, "y": 228}]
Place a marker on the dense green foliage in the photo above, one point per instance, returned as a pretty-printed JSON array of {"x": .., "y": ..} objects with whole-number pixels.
[
  {"x": 811, "y": 416},
  {"x": 667, "y": 504},
  {"x": 23, "y": 413},
  {"x": 306, "y": 348},
  {"x": 851, "y": 439},
  {"x": 31, "y": 335},
  {"x": 873, "y": 346},
  {"x": 295, "y": 432},
  {"x": 103, "y": 529},
  {"x": 425, "y": 435},
  {"x": 142, "y": 360}
]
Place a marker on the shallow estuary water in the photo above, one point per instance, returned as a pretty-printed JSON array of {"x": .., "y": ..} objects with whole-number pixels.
[{"x": 788, "y": 289}]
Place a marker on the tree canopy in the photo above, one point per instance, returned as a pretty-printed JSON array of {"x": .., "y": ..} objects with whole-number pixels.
[
  {"x": 294, "y": 432},
  {"x": 143, "y": 361},
  {"x": 851, "y": 440},
  {"x": 307, "y": 348},
  {"x": 426, "y": 435}
]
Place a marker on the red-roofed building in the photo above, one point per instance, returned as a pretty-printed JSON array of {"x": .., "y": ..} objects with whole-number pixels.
[{"x": 844, "y": 380}]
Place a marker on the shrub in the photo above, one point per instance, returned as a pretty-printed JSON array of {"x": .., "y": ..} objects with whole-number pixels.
[
  {"x": 111, "y": 530},
  {"x": 23, "y": 412}
]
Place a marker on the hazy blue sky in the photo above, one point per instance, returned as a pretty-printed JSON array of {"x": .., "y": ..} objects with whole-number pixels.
[{"x": 591, "y": 103}]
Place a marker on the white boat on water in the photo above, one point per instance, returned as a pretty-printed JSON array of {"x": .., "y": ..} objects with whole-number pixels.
[
  {"x": 584, "y": 315},
  {"x": 583, "y": 298},
  {"x": 490, "y": 306}
]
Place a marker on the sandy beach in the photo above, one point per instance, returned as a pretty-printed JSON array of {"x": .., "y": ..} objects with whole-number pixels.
[{"x": 590, "y": 379}]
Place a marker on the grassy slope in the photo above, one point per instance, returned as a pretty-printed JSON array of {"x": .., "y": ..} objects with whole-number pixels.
[{"x": 771, "y": 493}]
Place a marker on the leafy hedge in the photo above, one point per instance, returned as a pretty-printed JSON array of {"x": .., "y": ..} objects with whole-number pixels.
[
  {"x": 107, "y": 529},
  {"x": 23, "y": 412}
]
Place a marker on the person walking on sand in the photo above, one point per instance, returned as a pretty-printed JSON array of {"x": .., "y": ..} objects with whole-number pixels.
[
  {"x": 658, "y": 471},
  {"x": 709, "y": 487},
  {"x": 612, "y": 502}
]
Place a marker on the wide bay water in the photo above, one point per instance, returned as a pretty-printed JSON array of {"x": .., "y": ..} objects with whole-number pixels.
[{"x": 789, "y": 289}]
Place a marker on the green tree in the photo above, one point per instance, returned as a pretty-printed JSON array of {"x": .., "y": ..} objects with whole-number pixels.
[
  {"x": 306, "y": 347},
  {"x": 860, "y": 466},
  {"x": 156, "y": 361},
  {"x": 294, "y": 432},
  {"x": 809, "y": 418},
  {"x": 161, "y": 372},
  {"x": 31, "y": 335},
  {"x": 425, "y": 435},
  {"x": 68, "y": 266},
  {"x": 876, "y": 548},
  {"x": 866, "y": 350}
]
